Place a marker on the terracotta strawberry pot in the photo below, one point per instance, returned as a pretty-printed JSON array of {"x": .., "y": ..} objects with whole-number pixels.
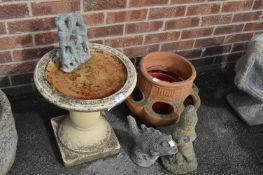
[{"x": 165, "y": 86}]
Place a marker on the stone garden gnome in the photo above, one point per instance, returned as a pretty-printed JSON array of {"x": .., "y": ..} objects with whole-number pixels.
[
  {"x": 73, "y": 44},
  {"x": 184, "y": 160},
  {"x": 149, "y": 144},
  {"x": 248, "y": 102}
]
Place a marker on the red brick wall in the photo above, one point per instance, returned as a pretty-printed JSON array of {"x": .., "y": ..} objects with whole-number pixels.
[{"x": 208, "y": 32}]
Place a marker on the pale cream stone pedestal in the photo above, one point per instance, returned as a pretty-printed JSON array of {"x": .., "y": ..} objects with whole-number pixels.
[{"x": 83, "y": 137}]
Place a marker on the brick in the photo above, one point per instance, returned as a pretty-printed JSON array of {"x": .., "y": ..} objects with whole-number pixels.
[
  {"x": 93, "y": 18},
  {"x": 228, "y": 29},
  {"x": 216, "y": 50},
  {"x": 29, "y": 54},
  {"x": 239, "y": 47},
  {"x": 31, "y": 25},
  {"x": 22, "y": 79},
  {"x": 209, "y": 42},
  {"x": 5, "y": 57},
  {"x": 186, "y": 1},
  {"x": 125, "y": 41},
  {"x": 219, "y": 59},
  {"x": 2, "y": 28},
  {"x": 182, "y": 23},
  {"x": 46, "y": 38},
  {"x": 216, "y": 20},
  {"x": 4, "y": 82},
  {"x": 166, "y": 12},
  {"x": 254, "y": 26},
  {"x": 226, "y": 66},
  {"x": 202, "y": 61},
  {"x": 202, "y": 9},
  {"x": 248, "y": 16},
  {"x": 258, "y": 33},
  {"x": 11, "y": 42},
  {"x": 195, "y": 33},
  {"x": 160, "y": 37},
  {"x": 233, "y": 57},
  {"x": 238, "y": 37},
  {"x": 140, "y": 3},
  {"x": 17, "y": 68},
  {"x": 233, "y": 6},
  {"x": 190, "y": 53},
  {"x": 8, "y": 11},
  {"x": 258, "y": 4},
  {"x": 105, "y": 31},
  {"x": 140, "y": 50},
  {"x": 136, "y": 61},
  {"x": 13, "y": 92},
  {"x": 90, "y": 5},
  {"x": 180, "y": 45},
  {"x": 54, "y": 7},
  {"x": 144, "y": 27},
  {"x": 124, "y": 16}
]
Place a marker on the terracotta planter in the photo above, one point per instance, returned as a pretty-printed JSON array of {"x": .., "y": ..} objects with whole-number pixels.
[{"x": 165, "y": 86}]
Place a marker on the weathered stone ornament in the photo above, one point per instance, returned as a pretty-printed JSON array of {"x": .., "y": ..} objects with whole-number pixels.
[
  {"x": 165, "y": 86},
  {"x": 249, "y": 79},
  {"x": 106, "y": 79},
  {"x": 149, "y": 144},
  {"x": 73, "y": 43},
  {"x": 8, "y": 135},
  {"x": 184, "y": 160}
]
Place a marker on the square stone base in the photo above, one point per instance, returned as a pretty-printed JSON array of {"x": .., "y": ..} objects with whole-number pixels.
[
  {"x": 71, "y": 158},
  {"x": 246, "y": 107}
]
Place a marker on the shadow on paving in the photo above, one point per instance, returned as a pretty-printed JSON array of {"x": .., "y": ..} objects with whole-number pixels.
[{"x": 225, "y": 144}]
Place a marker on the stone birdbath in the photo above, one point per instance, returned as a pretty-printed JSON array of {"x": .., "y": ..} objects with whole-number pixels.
[
  {"x": 84, "y": 134},
  {"x": 84, "y": 79}
]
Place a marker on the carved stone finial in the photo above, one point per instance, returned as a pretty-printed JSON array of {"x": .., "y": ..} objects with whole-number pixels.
[
  {"x": 184, "y": 160},
  {"x": 73, "y": 43},
  {"x": 149, "y": 144}
]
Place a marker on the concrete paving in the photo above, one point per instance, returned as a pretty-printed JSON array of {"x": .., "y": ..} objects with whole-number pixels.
[{"x": 225, "y": 144}]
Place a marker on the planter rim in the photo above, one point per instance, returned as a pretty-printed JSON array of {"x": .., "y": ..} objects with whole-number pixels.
[
  {"x": 79, "y": 104},
  {"x": 166, "y": 83}
]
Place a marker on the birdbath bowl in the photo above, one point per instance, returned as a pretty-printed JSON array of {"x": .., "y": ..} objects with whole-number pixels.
[{"x": 101, "y": 83}]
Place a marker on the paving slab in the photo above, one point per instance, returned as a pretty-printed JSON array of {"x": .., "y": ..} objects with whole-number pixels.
[{"x": 225, "y": 144}]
